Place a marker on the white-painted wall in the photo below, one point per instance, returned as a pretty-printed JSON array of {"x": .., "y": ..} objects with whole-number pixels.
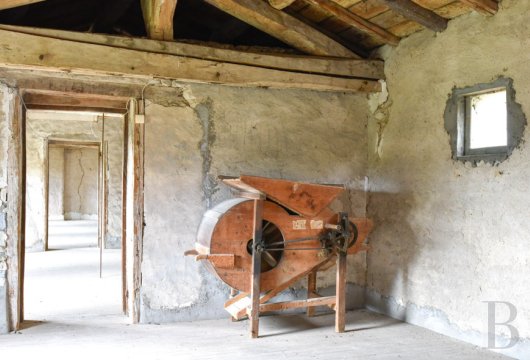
[{"x": 449, "y": 236}]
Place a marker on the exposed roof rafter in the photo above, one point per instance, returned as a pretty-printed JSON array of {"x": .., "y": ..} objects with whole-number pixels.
[
  {"x": 356, "y": 21},
  {"x": 280, "y": 4},
  {"x": 283, "y": 27},
  {"x": 8, "y": 4},
  {"x": 158, "y": 17},
  {"x": 417, "y": 13},
  {"x": 486, "y": 7}
]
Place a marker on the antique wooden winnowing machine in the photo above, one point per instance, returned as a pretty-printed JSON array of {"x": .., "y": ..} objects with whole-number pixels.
[{"x": 272, "y": 234}]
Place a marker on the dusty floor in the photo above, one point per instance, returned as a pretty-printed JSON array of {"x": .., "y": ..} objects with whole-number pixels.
[{"x": 77, "y": 315}]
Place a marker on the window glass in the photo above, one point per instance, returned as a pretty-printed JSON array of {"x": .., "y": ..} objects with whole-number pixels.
[{"x": 488, "y": 120}]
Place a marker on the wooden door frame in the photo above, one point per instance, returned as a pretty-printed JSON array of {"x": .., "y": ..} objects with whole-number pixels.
[
  {"x": 17, "y": 204},
  {"x": 65, "y": 144}
]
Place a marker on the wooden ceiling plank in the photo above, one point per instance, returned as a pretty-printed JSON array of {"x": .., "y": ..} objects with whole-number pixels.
[
  {"x": 39, "y": 53},
  {"x": 158, "y": 18},
  {"x": 356, "y": 21},
  {"x": 416, "y": 13},
  {"x": 9, "y": 4},
  {"x": 280, "y": 4},
  {"x": 486, "y": 7},
  {"x": 283, "y": 27}
]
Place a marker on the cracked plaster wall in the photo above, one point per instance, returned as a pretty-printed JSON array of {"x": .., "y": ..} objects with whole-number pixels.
[
  {"x": 81, "y": 184},
  {"x": 219, "y": 130},
  {"x": 37, "y": 133},
  {"x": 448, "y": 235}
]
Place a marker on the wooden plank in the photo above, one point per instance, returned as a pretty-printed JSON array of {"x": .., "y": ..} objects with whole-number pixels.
[
  {"x": 280, "y": 4},
  {"x": 322, "y": 301},
  {"x": 256, "y": 269},
  {"x": 340, "y": 306},
  {"x": 158, "y": 18},
  {"x": 357, "y": 68},
  {"x": 311, "y": 291},
  {"x": 356, "y": 21},
  {"x": 223, "y": 261},
  {"x": 61, "y": 100},
  {"x": 22, "y": 51},
  {"x": 486, "y": 7},
  {"x": 419, "y": 14},
  {"x": 283, "y": 27},
  {"x": 8, "y": 4},
  {"x": 303, "y": 198}
]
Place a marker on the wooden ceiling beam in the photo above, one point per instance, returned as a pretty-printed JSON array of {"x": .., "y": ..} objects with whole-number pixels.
[
  {"x": 158, "y": 18},
  {"x": 280, "y": 4},
  {"x": 417, "y": 13},
  {"x": 8, "y": 4},
  {"x": 39, "y": 53},
  {"x": 283, "y": 27},
  {"x": 356, "y": 21},
  {"x": 486, "y": 7}
]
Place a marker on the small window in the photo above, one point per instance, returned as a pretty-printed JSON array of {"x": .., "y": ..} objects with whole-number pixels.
[
  {"x": 486, "y": 127},
  {"x": 484, "y": 122}
]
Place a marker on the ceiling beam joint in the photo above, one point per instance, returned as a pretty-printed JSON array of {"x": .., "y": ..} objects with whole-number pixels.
[
  {"x": 417, "y": 13},
  {"x": 158, "y": 18}
]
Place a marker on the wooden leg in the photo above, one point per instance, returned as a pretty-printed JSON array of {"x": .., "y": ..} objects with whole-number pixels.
[
  {"x": 311, "y": 290},
  {"x": 256, "y": 270},
  {"x": 340, "y": 308},
  {"x": 233, "y": 293}
]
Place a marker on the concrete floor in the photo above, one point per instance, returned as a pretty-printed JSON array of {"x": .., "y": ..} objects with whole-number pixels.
[{"x": 74, "y": 314}]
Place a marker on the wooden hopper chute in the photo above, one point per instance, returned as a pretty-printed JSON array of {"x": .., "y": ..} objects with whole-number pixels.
[{"x": 272, "y": 234}]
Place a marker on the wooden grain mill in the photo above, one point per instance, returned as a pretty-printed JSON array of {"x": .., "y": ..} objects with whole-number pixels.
[{"x": 272, "y": 234}]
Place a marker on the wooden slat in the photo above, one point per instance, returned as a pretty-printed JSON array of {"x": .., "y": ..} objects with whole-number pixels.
[
  {"x": 22, "y": 51},
  {"x": 158, "y": 18},
  {"x": 421, "y": 15},
  {"x": 328, "y": 300},
  {"x": 311, "y": 291},
  {"x": 356, "y": 21},
  {"x": 486, "y": 7},
  {"x": 357, "y": 68},
  {"x": 8, "y": 4},
  {"x": 280, "y": 4},
  {"x": 283, "y": 27}
]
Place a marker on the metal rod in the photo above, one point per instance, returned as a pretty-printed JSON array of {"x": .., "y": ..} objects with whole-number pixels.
[
  {"x": 102, "y": 207},
  {"x": 292, "y": 241},
  {"x": 285, "y": 249}
]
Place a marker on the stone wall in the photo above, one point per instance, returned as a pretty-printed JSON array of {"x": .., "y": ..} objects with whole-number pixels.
[{"x": 448, "y": 235}]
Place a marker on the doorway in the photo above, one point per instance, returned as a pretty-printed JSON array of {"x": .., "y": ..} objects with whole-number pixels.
[{"x": 73, "y": 218}]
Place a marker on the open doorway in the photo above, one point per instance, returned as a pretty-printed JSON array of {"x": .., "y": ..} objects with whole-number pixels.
[{"x": 74, "y": 215}]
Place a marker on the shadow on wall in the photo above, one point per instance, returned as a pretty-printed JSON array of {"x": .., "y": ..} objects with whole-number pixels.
[{"x": 394, "y": 245}]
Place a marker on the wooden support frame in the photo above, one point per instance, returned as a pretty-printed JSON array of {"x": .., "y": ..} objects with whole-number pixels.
[{"x": 280, "y": 4}]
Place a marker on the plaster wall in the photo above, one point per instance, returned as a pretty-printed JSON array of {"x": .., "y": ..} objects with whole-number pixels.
[
  {"x": 56, "y": 183},
  {"x": 208, "y": 131},
  {"x": 81, "y": 174},
  {"x": 449, "y": 236},
  {"x": 38, "y": 132}
]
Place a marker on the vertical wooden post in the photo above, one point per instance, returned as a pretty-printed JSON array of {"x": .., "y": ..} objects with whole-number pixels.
[
  {"x": 311, "y": 289},
  {"x": 233, "y": 293},
  {"x": 340, "y": 307},
  {"x": 256, "y": 269}
]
